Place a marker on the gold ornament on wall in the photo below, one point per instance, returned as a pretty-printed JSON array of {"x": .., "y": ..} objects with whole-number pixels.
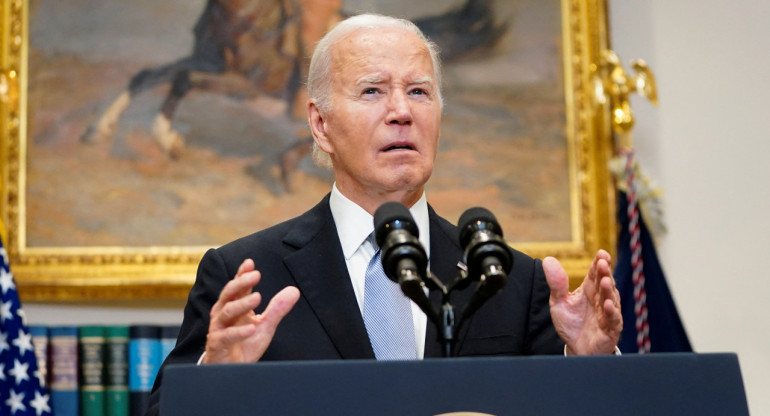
[{"x": 613, "y": 87}]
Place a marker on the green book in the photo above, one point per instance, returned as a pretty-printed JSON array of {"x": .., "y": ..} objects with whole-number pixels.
[
  {"x": 91, "y": 353},
  {"x": 116, "y": 363}
]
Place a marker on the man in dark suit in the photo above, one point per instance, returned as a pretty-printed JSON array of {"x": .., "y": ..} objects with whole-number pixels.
[{"x": 375, "y": 111}]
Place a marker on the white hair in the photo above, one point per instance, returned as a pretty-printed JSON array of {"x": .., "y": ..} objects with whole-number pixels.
[{"x": 320, "y": 77}]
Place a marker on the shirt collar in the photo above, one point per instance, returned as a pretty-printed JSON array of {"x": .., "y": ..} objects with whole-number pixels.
[{"x": 354, "y": 224}]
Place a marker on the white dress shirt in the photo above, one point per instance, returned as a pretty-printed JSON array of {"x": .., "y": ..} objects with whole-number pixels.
[{"x": 354, "y": 225}]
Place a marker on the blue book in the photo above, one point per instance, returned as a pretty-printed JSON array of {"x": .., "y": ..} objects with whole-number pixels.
[
  {"x": 144, "y": 359},
  {"x": 64, "y": 370},
  {"x": 168, "y": 335}
]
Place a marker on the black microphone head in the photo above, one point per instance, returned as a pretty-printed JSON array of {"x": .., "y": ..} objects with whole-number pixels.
[
  {"x": 481, "y": 237},
  {"x": 393, "y": 215},
  {"x": 477, "y": 219}
]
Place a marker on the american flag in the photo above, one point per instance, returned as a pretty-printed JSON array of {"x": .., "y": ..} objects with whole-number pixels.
[
  {"x": 22, "y": 385},
  {"x": 651, "y": 322}
]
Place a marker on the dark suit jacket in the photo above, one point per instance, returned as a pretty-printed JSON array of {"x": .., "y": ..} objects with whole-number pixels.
[{"x": 326, "y": 322}]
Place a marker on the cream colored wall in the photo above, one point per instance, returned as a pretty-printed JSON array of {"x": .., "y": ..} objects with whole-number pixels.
[
  {"x": 135, "y": 312},
  {"x": 707, "y": 144}
]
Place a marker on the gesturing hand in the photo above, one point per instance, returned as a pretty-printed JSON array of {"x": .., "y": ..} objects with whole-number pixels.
[
  {"x": 237, "y": 334},
  {"x": 588, "y": 320}
]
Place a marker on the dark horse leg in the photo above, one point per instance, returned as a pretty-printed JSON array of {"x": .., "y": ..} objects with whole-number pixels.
[
  {"x": 103, "y": 127},
  {"x": 169, "y": 139}
]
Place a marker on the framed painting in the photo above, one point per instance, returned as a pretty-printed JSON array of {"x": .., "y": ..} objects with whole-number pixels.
[{"x": 135, "y": 135}]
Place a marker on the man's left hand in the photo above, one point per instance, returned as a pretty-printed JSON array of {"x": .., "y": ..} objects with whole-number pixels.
[{"x": 588, "y": 320}]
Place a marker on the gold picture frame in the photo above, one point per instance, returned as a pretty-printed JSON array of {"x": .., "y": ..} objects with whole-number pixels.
[{"x": 74, "y": 273}]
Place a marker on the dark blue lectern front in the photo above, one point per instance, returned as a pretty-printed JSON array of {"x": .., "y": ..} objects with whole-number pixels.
[{"x": 658, "y": 384}]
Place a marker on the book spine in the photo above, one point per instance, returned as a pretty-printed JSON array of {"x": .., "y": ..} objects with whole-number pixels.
[
  {"x": 144, "y": 359},
  {"x": 64, "y": 370},
  {"x": 116, "y": 366},
  {"x": 91, "y": 359},
  {"x": 39, "y": 335},
  {"x": 168, "y": 336}
]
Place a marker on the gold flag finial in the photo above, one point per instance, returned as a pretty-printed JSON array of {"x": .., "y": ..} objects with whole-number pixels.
[{"x": 614, "y": 86}]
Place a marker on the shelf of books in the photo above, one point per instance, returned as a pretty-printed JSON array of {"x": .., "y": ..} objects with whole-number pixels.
[{"x": 101, "y": 370}]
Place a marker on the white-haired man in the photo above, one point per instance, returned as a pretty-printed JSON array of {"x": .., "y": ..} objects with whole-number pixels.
[{"x": 375, "y": 112}]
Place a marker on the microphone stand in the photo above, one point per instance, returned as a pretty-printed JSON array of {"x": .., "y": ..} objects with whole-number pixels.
[{"x": 445, "y": 320}]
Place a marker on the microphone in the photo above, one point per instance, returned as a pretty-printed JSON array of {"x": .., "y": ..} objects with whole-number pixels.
[
  {"x": 487, "y": 255},
  {"x": 403, "y": 257}
]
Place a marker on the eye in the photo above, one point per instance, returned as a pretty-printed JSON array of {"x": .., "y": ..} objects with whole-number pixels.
[
  {"x": 370, "y": 91},
  {"x": 418, "y": 91}
]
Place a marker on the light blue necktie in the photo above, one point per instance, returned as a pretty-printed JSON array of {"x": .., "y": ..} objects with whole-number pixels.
[{"x": 387, "y": 315}]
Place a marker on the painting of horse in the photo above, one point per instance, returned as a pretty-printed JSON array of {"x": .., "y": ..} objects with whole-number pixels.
[{"x": 181, "y": 122}]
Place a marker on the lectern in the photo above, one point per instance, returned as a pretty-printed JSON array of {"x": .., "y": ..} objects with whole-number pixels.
[{"x": 656, "y": 384}]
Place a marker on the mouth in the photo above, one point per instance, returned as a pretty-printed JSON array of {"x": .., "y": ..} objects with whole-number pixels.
[{"x": 398, "y": 146}]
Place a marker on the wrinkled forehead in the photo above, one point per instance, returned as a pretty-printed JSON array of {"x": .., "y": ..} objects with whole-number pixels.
[{"x": 365, "y": 45}]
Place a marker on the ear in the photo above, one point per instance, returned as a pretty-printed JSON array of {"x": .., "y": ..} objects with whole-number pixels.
[{"x": 317, "y": 124}]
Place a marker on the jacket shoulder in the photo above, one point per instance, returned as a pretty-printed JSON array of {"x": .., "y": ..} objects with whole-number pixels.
[{"x": 287, "y": 235}]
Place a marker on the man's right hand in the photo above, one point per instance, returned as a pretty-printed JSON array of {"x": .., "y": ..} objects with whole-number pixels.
[{"x": 237, "y": 334}]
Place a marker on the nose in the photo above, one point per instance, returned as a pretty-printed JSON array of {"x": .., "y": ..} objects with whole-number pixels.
[{"x": 400, "y": 111}]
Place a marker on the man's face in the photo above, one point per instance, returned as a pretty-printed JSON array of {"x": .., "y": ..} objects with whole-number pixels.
[{"x": 382, "y": 130}]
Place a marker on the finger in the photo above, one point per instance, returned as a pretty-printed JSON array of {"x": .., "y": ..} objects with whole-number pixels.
[
  {"x": 232, "y": 335},
  {"x": 234, "y": 312},
  {"x": 607, "y": 291},
  {"x": 593, "y": 271},
  {"x": 611, "y": 303},
  {"x": 246, "y": 266},
  {"x": 220, "y": 343},
  {"x": 242, "y": 285},
  {"x": 598, "y": 270},
  {"x": 614, "y": 316},
  {"x": 603, "y": 254},
  {"x": 557, "y": 277},
  {"x": 603, "y": 265},
  {"x": 279, "y": 306},
  {"x": 602, "y": 257}
]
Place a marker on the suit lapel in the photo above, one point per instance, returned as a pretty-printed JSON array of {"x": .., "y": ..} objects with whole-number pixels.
[
  {"x": 319, "y": 270},
  {"x": 318, "y": 267}
]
